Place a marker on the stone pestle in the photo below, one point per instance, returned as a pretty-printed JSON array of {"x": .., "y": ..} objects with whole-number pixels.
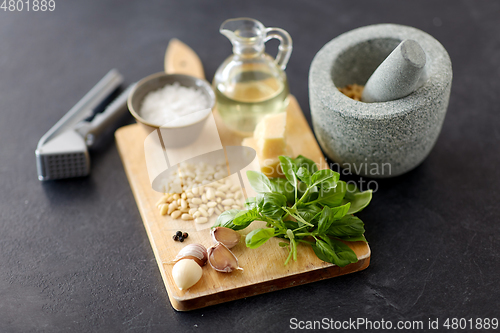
[{"x": 400, "y": 74}]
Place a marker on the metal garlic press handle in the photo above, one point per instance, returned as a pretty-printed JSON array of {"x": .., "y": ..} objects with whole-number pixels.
[
  {"x": 90, "y": 131},
  {"x": 84, "y": 107}
]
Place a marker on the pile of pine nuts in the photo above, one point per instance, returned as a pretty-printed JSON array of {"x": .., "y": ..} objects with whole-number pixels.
[{"x": 202, "y": 195}]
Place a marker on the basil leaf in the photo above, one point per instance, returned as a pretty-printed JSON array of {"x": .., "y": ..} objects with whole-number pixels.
[
  {"x": 304, "y": 175},
  {"x": 269, "y": 204},
  {"x": 352, "y": 188},
  {"x": 289, "y": 224},
  {"x": 340, "y": 211},
  {"x": 329, "y": 215},
  {"x": 335, "y": 252},
  {"x": 348, "y": 226},
  {"x": 245, "y": 217},
  {"x": 309, "y": 213},
  {"x": 283, "y": 186},
  {"x": 326, "y": 177},
  {"x": 356, "y": 238},
  {"x": 343, "y": 251},
  {"x": 358, "y": 200},
  {"x": 251, "y": 203},
  {"x": 258, "y": 237},
  {"x": 259, "y": 182},
  {"x": 301, "y": 189},
  {"x": 319, "y": 249},
  {"x": 332, "y": 197},
  {"x": 226, "y": 220},
  {"x": 289, "y": 168},
  {"x": 302, "y": 161}
]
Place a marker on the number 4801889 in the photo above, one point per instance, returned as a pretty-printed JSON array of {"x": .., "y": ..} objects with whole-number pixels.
[{"x": 28, "y": 5}]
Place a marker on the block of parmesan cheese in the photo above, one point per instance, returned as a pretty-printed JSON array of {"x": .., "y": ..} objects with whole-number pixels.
[
  {"x": 269, "y": 141},
  {"x": 270, "y": 136}
]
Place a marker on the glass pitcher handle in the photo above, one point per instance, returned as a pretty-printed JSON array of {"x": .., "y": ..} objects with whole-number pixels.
[{"x": 285, "y": 47}]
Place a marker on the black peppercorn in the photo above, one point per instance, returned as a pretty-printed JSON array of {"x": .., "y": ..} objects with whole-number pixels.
[
  {"x": 179, "y": 233},
  {"x": 185, "y": 235},
  {"x": 175, "y": 237},
  {"x": 181, "y": 239}
]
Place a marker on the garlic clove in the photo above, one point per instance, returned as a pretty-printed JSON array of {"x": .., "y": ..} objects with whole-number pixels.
[
  {"x": 222, "y": 259},
  {"x": 196, "y": 252},
  {"x": 226, "y": 236},
  {"x": 186, "y": 273}
]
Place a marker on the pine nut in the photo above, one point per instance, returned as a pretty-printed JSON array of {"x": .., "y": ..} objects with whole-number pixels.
[
  {"x": 197, "y": 214},
  {"x": 211, "y": 204},
  {"x": 190, "y": 195},
  {"x": 195, "y": 191},
  {"x": 236, "y": 207},
  {"x": 235, "y": 188},
  {"x": 192, "y": 211},
  {"x": 197, "y": 201},
  {"x": 218, "y": 200},
  {"x": 203, "y": 212},
  {"x": 186, "y": 217},
  {"x": 204, "y": 198},
  {"x": 204, "y": 206},
  {"x": 164, "y": 209},
  {"x": 183, "y": 196},
  {"x": 217, "y": 211},
  {"x": 176, "y": 214},
  {"x": 176, "y": 196},
  {"x": 220, "y": 194},
  {"x": 173, "y": 206},
  {"x": 184, "y": 210},
  {"x": 229, "y": 195},
  {"x": 201, "y": 219},
  {"x": 228, "y": 202},
  {"x": 210, "y": 193},
  {"x": 220, "y": 174},
  {"x": 210, "y": 211},
  {"x": 183, "y": 204},
  {"x": 223, "y": 188},
  {"x": 237, "y": 195},
  {"x": 162, "y": 200}
]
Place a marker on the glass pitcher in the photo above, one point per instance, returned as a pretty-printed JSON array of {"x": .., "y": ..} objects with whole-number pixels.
[{"x": 250, "y": 83}]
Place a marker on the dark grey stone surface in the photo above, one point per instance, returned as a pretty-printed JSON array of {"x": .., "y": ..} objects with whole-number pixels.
[{"x": 74, "y": 255}]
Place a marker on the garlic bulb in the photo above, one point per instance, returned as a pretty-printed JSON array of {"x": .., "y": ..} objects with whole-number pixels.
[
  {"x": 226, "y": 236},
  {"x": 186, "y": 273},
  {"x": 222, "y": 259},
  {"x": 197, "y": 252}
]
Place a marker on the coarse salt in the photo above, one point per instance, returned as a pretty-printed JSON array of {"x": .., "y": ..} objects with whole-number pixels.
[{"x": 172, "y": 102}]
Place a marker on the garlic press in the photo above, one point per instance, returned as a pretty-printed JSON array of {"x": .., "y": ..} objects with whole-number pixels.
[{"x": 63, "y": 151}]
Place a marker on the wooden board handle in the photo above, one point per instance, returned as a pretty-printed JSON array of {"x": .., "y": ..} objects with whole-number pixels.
[{"x": 181, "y": 59}]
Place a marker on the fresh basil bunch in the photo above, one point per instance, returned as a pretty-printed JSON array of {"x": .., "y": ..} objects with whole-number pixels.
[{"x": 308, "y": 206}]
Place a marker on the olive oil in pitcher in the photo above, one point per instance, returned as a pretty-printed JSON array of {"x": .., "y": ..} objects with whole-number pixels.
[{"x": 250, "y": 83}]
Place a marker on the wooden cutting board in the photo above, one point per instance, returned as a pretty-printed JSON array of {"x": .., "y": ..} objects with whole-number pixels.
[{"x": 263, "y": 267}]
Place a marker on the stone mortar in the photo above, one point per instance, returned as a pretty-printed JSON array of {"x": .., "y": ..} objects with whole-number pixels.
[{"x": 377, "y": 140}]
